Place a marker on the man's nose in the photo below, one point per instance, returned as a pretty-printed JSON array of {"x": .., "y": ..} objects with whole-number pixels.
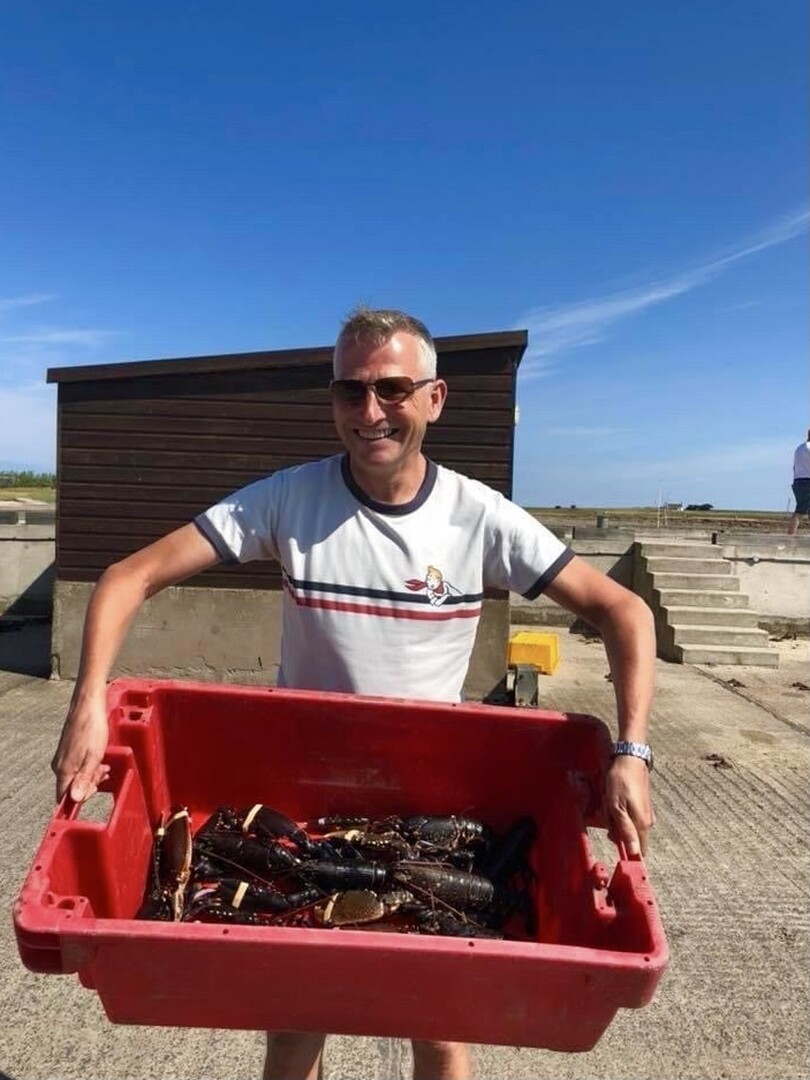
[{"x": 371, "y": 410}]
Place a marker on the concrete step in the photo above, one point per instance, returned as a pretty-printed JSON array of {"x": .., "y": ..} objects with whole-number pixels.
[
  {"x": 680, "y": 551},
  {"x": 662, "y": 565},
  {"x": 697, "y": 582},
  {"x": 727, "y": 654},
  {"x": 671, "y": 597},
  {"x": 694, "y": 634},
  {"x": 711, "y": 616}
]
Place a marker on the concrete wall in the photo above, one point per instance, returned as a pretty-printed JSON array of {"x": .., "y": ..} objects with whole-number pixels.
[
  {"x": 229, "y": 635},
  {"x": 26, "y": 568},
  {"x": 774, "y": 572}
]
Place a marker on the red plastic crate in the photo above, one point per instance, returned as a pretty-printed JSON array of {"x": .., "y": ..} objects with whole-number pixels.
[{"x": 599, "y": 948}]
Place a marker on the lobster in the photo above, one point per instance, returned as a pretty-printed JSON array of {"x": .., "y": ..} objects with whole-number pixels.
[
  {"x": 245, "y": 854},
  {"x": 232, "y": 900},
  {"x": 428, "y": 832},
  {"x": 364, "y": 907},
  {"x": 267, "y": 824},
  {"x": 419, "y": 872},
  {"x": 171, "y": 868},
  {"x": 457, "y": 888},
  {"x": 356, "y": 907},
  {"x": 362, "y": 843},
  {"x": 449, "y": 832}
]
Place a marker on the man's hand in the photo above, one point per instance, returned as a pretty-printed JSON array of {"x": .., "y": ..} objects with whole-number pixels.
[
  {"x": 115, "y": 602},
  {"x": 77, "y": 761},
  {"x": 627, "y": 803},
  {"x": 628, "y": 630}
]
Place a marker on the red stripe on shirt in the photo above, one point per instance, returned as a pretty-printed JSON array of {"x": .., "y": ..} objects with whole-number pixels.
[{"x": 388, "y": 613}]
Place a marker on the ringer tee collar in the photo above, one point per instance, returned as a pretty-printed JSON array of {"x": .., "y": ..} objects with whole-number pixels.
[{"x": 422, "y": 495}]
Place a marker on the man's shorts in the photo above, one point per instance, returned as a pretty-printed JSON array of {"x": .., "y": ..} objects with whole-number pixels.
[{"x": 801, "y": 489}]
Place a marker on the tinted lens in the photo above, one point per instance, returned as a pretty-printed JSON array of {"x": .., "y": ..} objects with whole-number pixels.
[
  {"x": 349, "y": 391},
  {"x": 392, "y": 389}
]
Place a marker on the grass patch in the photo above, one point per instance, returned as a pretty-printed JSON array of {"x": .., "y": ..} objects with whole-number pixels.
[{"x": 41, "y": 494}]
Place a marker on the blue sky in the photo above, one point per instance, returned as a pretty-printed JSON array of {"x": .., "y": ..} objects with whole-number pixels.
[{"x": 626, "y": 181}]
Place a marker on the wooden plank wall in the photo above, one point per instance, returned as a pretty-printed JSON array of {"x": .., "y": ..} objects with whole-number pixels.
[{"x": 139, "y": 456}]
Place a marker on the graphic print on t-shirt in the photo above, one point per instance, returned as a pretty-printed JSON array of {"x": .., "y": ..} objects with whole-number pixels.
[{"x": 438, "y": 591}]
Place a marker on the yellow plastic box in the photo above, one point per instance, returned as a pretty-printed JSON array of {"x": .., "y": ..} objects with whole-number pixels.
[{"x": 541, "y": 650}]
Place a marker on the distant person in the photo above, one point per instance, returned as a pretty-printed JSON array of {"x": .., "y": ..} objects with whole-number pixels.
[
  {"x": 386, "y": 556},
  {"x": 801, "y": 484}
]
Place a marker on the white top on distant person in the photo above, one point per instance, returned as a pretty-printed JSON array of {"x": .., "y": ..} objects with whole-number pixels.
[{"x": 801, "y": 484}]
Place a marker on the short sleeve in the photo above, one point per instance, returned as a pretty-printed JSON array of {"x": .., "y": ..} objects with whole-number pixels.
[
  {"x": 521, "y": 555},
  {"x": 241, "y": 526}
]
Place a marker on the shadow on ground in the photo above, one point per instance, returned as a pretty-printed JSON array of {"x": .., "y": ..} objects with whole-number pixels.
[{"x": 25, "y": 649}]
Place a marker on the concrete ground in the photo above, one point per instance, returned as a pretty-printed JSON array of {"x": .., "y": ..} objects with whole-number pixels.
[{"x": 729, "y": 866}]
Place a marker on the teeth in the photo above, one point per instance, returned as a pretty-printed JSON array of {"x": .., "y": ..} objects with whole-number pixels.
[{"x": 373, "y": 436}]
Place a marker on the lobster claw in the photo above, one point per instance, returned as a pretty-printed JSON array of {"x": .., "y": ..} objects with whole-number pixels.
[
  {"x": 268, "y": 823},
  {"x": 351, "y": 908},
  {"x": 174, "y": 860}
]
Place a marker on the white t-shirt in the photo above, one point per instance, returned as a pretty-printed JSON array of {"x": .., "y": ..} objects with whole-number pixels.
[
  {"x": 382, "y": 599},
  {"x": 801, "y": 462}
]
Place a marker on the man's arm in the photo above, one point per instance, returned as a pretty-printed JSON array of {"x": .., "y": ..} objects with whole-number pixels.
[
  {"x": 628, "y": 632},
  {"x": 116, "y": 600}
]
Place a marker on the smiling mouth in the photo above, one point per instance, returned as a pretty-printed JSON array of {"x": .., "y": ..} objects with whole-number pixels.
[{"x": 375, "y": 436}]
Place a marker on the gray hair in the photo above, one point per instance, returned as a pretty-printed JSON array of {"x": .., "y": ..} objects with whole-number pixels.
[{"x": 369, "y": 327}]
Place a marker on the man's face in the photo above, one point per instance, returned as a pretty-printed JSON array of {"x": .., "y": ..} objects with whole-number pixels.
[{"x": 384, "y": 439}]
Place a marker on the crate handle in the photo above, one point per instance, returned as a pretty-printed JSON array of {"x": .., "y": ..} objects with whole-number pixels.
[
  {"x": 119, "y": 758},
  {"x": 624, "y": 856}
]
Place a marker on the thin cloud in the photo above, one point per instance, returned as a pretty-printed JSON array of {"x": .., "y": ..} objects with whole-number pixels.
[
  {"x": 742, "y": 306},
  {"x": 12, "y": 302},
  {"x": 89, "y": 338},
  {"x": 583, "y": 432},
  {"x": 742, "y": 457},
  {"x": 557, "y": 330}
]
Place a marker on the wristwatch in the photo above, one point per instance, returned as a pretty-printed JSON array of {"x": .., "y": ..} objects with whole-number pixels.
[{"x": 634, "y": 749}]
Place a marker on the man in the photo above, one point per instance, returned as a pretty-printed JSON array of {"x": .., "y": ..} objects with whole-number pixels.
[
  {"x": 801, "y": 485},
  {"x": 361, "y": 539}
]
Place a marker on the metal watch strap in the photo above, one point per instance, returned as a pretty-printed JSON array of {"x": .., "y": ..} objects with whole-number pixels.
[{"x": 634, "y": 749}]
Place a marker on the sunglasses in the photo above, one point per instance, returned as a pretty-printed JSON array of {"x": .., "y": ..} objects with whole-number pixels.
[{"x": 390, "y": 390}]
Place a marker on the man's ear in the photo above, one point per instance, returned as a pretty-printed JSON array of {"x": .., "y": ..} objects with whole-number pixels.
[{"x": 438, "y": 396}]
